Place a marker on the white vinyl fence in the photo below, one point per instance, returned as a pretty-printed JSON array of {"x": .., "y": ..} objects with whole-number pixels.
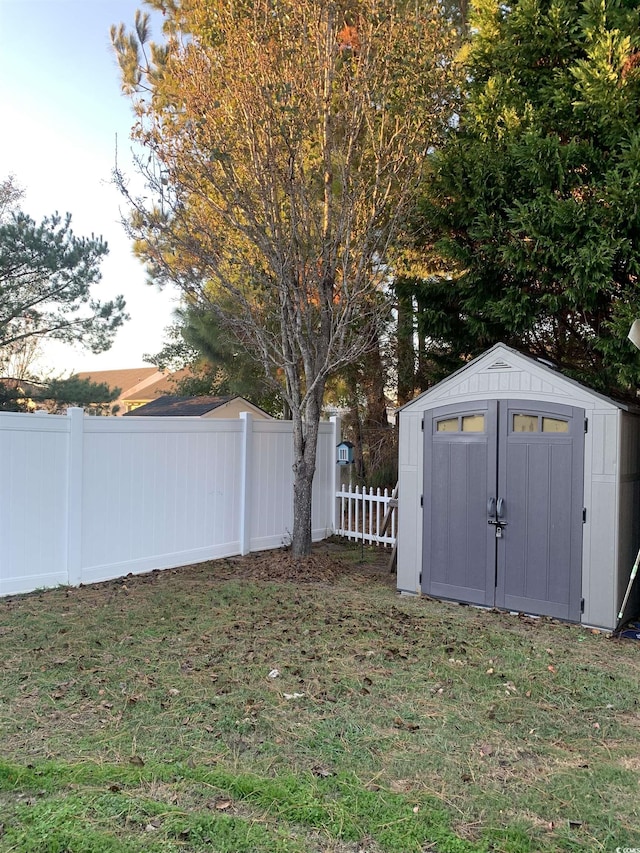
[
  {"x": 366, "y": 515},
  {"x": 86, "y": 499}
]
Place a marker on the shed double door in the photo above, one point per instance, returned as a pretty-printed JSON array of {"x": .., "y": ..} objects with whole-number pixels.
[{"x": 503, "y": 506}]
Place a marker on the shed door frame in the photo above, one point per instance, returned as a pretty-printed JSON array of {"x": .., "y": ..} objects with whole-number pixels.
[{"x": 534, "y": 562}]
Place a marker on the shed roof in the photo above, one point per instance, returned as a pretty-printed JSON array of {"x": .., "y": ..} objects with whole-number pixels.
[{"x": 501, "y": 358}]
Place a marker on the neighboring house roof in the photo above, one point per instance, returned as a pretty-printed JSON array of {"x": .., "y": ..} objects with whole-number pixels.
[
  {"x": 160, "y": 386},
  {"x": 171, "y": 406},
  {"x": 122, "y": 379},
  {"x": 138, "y": 385}
]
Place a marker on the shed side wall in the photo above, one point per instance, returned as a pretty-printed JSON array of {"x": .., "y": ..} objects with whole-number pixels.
[
  {"x": 629, "y": 515},
  {"x": 600, "y": 533},
  {"x": 410, "y": 471}
]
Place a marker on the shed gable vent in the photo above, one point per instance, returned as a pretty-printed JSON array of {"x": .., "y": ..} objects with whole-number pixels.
[{"x": 500, "y": 365}]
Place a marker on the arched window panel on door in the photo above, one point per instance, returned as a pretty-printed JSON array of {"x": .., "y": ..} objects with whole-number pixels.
[
  {"x": 473, "y": 423},
  {"x": 528, "y": 422},
  {"x": 554, "y": 425},
  {"x": 463, "y": 423},
  {"x": 525, "y": 423},
  {"x": 448, "y": 425}
]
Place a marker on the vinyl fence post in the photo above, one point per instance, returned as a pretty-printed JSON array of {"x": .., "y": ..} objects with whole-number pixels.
[
  {"x": 246, "y": 466},
  {"x": 336, "y": 438},
  {"x": 74, "y": 495}
]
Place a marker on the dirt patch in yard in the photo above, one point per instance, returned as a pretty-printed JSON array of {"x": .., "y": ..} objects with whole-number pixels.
[{"x": 326, "y": 564}]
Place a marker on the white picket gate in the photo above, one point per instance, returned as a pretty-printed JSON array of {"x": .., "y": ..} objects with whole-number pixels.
[{"x": 366, "y": 515}]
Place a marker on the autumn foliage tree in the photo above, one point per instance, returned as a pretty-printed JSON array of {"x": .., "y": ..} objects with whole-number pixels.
[{"x": 284, "y": 141}]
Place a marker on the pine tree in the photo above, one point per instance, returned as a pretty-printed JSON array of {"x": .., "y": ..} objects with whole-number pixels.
[
  {"x": 94, "y": 397},
  {"x": 217, "y": 363},
  {"x": 47, "y": 276}
]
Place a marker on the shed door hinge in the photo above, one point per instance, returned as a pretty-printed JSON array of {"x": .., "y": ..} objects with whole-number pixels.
[
  {"x": 586, "y": 424},
  {"x": 421, "y": 500},
  {"x": 420, "y": 578},
  {"x": 584, "y": 514},
  {"x": 582, "y": 605},
  {"x": 422, "y": 425}
]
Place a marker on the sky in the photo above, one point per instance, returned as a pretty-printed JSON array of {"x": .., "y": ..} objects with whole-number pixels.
[{"x": 62, "y": 110}]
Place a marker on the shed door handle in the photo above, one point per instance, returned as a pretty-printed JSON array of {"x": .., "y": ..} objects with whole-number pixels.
[
  {"x": 500, "y": 508},
  {"x": 491, "y": 507}
]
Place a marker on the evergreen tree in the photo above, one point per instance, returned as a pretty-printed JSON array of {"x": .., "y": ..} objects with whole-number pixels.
[
  {"x": 218, "y": 365},
  {"x": 529, "y": 228},
  {"x": 56, "y": 395},
  {"x": 94, "y": 397},
  {"x": 46, "y": 280}
]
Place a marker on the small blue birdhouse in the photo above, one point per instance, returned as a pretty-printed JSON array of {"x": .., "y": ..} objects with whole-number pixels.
[{"x": 345, "y": 453}]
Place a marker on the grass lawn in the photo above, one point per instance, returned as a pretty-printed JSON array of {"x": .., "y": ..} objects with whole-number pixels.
[{"x": 235, "y": 706}]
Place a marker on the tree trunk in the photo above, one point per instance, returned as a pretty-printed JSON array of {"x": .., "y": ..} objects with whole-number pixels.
[
  {"x": 302, "y": 489},
  {"x": 422, "y": 377},
  {"x": 374, "y": 378},
  {"x": 305, "y": 443},
  {"x": 405, "y": 352}
]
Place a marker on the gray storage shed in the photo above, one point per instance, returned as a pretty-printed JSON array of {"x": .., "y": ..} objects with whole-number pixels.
[{"x": 520, "y": 489}]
